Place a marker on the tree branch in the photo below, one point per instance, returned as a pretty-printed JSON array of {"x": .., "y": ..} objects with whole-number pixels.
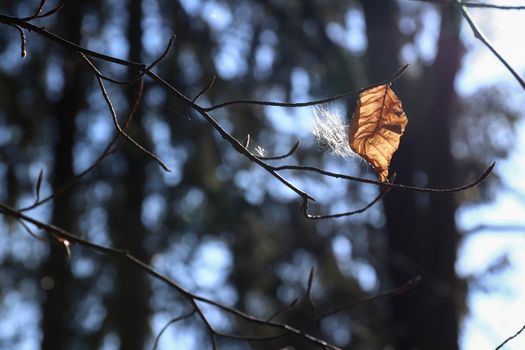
[{"x": 479, "y": 35}]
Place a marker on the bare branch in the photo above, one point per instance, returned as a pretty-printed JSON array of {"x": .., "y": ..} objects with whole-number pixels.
[
  {"x": 482, "y": 177},
  {"x": 23, "y": 42},
  {"x": 286, "y": 307},
  {"x": 394, "y": 77},
  {"x": 498, "y": 228},
  {"x": 30, "y": 232},
  {"x": 224, "y": 134},
  {"x": 396, "y": 291},
  {"x": 53, "y": 10},
  {"x": 479, "y": 35},
  {"x": 38, "y": 10},
  {"x": 115, "y": 118},
  {"x": 38, "y": 185},
  {"x": 474, "y": 4},
  {"x": 190, "y": 297},
  {"x": 309, "y": 290},
  {"x": 292, "y": 150},
  {"x": 203, "y": 91},
  {"x": 169, "y": 323},
  {"x": 510, "y": 338},
  {"x": 109, "y": 150},
  {"x": 382, "y": 193}
]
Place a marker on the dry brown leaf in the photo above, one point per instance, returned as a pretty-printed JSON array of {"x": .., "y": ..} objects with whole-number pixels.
[{"x": 376, "y": 127}]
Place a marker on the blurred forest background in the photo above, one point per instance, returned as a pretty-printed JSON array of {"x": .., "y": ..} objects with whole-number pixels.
[{"x": 217, "y": 223}]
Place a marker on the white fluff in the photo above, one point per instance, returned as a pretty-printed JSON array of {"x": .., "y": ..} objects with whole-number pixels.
[{"x": 331, "y": 130}]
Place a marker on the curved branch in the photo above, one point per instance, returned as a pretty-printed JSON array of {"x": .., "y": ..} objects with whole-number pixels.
[
  {"x": 382, "y": 193},
  {"x": 169, "y": 323},
  {"x": 396, "y": 291},
  {"x": 115, "y": 118},
  {"x": 109, "y": 150},
  {"x": 292, "y": 150},
  {"x": 482, "y": 177},
  {"x": 479, "y": 35},
  {"x": 393, "y": 78},
  {"x": 189, "y": 296},
  {"x": 510, "y": 338},
  {"x": 142, "y": 73},
  {"x": 206, "y": 88}
]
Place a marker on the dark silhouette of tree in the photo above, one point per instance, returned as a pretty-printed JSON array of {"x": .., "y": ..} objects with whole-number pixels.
[{"x": 422, "y": 235}]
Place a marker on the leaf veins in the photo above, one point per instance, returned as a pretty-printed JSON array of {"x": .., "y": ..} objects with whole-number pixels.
[{"x": 376, "y": 127}]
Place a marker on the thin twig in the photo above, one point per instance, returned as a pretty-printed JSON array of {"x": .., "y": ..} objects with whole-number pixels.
[
  {"x": 474, "y": 4},
  {"x": 38, "y": 10},
  {"x": 479, "y": 35},
  {"x": 228, "y": 137},
  {"x": 115, "y": 118},
  {"x": 109, "y": 150},
  {"x": 510, "y": 338},
  {"x": 30, "y": 232},
  {"x": 234, "y": 142},
  {"x": 53, "y": 10},
  {"x": 168, "y": 324},
  {"x": 203, "y": 91},
  {"x": 381, "y": 195},
  {"x": 394, "y": 77},
  {"x": 38, "y": 185},
  {"x": 292, "y": 150},
  {"x": 286, "y": 307},
  {"x": 309, "y": 286},
  {"x": 482, "y": 177},
  {"x": 396, "y": 291},
  {"x": 142, "y": 72},
  {"x": 499, "y": 228},
  {"x": 23, "y": 42}
]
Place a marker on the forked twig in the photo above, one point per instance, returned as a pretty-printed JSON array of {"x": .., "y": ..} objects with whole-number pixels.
[
  {"x": 203, "y": 91},
  {"x": 115, "y": 118},
  {"x": 203, "y": 111},
  {"x": 381, "y": 195},
  {"x": 169, "y": 323},
  {"x": 286, "y": 307},
  {"x": 143, "y": 72},
  {"x": 189, "y": 296},
  {"x": 109, "y": 150}
]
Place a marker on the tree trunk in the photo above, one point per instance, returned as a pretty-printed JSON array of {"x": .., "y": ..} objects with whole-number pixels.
[
  {"x": 422, "y": 236},
  {"x": 131, "y": 303},
  {"x": 56, "y": 272}
]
